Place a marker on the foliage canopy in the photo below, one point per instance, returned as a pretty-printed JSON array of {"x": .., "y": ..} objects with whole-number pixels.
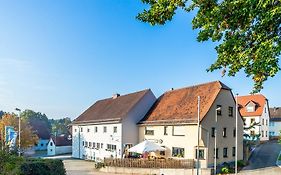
[{"x": 247, "y": 32}]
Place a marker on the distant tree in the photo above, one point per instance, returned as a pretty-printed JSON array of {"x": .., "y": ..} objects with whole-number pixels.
[
  {"x": 60, "y": 126},
  {"x": 39, "y": 123},
  {"x": 28, "y": 137},
  {"x": 247, "y": 32},
  {"x": 1, "y": 114}
]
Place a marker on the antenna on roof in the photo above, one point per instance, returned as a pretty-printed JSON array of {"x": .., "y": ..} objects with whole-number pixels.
[{"x": 114, "y": 96}]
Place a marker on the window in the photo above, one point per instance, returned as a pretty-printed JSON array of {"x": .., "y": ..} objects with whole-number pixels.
[
  {"x": 104, "y": 129},
  {"x": 149, "y": 131},
  {"x": 165, "y": 130},
  {"x": 111, "y": 147},
  {"x": 86, "y": 144},
  {"x": 252, "y": 120},
  {"x": 266, "y": 122},
  {"x": 83, "y": 143},
  {"x": 75, "y": 130},
  {"x": 42, "y": 144},
  {"x": 262, "y": 121},
  {"x": 250, "y": 108},
  {"x": 90, "y": 144},
  {"x": 98, "y": 145},
  {"x": 96, "y": 129},
  {"x": 252, "y": 133},
  {"x": 88, "y": 130},
  {"x": 115, "y": 129},
  {"x": 177, "y": 152},
  {"x": 201, "y": 154},
  {"x": 234, "y": 132},
  {"x": 224, "y": 152},
  {"x": 233, "y": 151},
  {"x": 265, "y": 133},
  {"x": 230, "y": 111},
  {"x": 224, "y": 132},
  {"x": 94, "y": 144},
  {"x": 101, "y": 145},
  {"x": 262, "y": 134},
  {"x": 218, "y": 110},
  {"x": 81, "y": 129},
  {"x": 178, "y": 130},
  {"x": 213, "y": 131},
  {"x": 51, "y": 143},
  {"x": 217, "y": 153}
]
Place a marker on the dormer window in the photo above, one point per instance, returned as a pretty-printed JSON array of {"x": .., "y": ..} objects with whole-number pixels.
[{"x": 251, "y": 106}]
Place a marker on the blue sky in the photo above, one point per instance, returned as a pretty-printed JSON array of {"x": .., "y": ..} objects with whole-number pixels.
[{"x": 59, "y": 57}]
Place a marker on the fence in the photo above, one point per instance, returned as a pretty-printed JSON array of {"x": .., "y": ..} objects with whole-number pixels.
[{"x": 145, "y": 163}]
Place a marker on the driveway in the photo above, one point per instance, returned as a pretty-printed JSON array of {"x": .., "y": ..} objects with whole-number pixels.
[
  {"x": 81, "y": 167},
  {"x": 264, "y": 155}
]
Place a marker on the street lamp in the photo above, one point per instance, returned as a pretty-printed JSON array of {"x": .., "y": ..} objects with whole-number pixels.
[
  {"x": 236, "y": 132},
  {"x": 215, "y": 157},
  {"x": 17, "y": 109}
]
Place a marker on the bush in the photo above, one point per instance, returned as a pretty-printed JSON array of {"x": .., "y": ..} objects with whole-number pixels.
[
  {"x": 42, "y": 167},
  {"x": 99, "y": 165}
]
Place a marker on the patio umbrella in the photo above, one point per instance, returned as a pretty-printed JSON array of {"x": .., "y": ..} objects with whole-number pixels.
[{"x": 146, "y": 146}]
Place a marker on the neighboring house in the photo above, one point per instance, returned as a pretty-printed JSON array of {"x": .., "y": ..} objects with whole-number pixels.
[
  {"x": 255, "y": 109},
  {"x": 172, "y": 123},
  {"x": 44, "y": 137},
  {"x": 109, "y": 125},
  {"x": 59, "y": 145},
  {"x": 275, "y": 122}
]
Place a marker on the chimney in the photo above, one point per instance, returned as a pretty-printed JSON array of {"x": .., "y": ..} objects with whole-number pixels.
[
  {"x": 171, "y": 89},
  {"x": 114, "y": 96}
]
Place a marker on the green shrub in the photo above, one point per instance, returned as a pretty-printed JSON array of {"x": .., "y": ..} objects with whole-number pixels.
[
  {"x": 99, "y": 165},
  {"x": 241, "y": 163}
]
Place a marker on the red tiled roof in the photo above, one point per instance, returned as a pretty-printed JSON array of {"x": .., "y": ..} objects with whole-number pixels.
[
  {"x": 275, "y": 114},
  {"x": 181, "y": 105},
  {"x": 258, "y": 99},
  {"x": 62, "y": 140},
  {"x": 111, "y": 109}
]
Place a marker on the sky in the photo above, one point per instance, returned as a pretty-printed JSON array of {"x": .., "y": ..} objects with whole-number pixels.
[{"x": 59, "y": 57}]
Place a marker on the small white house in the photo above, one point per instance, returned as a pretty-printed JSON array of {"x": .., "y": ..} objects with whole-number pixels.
[
  {"x": 275, "y": 122},
  {"x": 59, "y": 145},
  {"x": 255, "y": 111},
  {"x": 109, "y": 126}
]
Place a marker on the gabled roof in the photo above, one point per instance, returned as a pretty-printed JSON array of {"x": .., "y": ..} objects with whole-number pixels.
[
  {"x": 62, "y": 140},
  {"x": 258, "y": 99},
  {"x": 111, "y": 109},
  {"x": 180, "y": 105},
  {"x": 275, "y": 114}
]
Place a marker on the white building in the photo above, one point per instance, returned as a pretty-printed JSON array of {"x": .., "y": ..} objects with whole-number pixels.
[
  {"x": 59, "y": 145},
  {"x": 255, "y": 111},
  {"x": 172, "y": 123},
  {"x": 275, "y": 122},
  {"x": 109, "y": 126}
]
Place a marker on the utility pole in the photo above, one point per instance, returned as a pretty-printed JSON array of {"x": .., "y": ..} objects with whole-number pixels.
[
  {"x": 198, "y": 133},
  {"x": 236, "y": 133}
]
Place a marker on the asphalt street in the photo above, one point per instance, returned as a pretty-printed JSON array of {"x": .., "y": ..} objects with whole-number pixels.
[{"x": 264, "y": 155}]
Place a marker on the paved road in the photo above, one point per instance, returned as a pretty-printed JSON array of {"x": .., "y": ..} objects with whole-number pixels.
[
  {"x": 264, "y": 156},
  {"x": 81, "y": 167}
]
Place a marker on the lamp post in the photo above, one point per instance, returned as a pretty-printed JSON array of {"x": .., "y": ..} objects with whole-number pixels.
[
  {"x": 236, "y": 133},
  {"x": 17, "y": 109},
  {"x": 215, "y": 157},
  {"x": 198, "y": 133}
]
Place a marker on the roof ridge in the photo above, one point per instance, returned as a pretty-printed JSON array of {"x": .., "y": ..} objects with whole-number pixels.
[{"x": 196, "y": 85}]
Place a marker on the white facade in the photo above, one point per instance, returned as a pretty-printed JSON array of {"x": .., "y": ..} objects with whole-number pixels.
[
  {"x": 180, "y": 140},
  {"x": 274, "y": 128},
  {"x": 263, "y": 121},
  {"x": 99, "y": 140},
  {"x": 53, "y": 150},
  {"x": 41, "y": 145}
]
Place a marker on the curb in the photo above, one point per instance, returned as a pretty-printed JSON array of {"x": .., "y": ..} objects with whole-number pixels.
[{"x": 278, "y": 162}]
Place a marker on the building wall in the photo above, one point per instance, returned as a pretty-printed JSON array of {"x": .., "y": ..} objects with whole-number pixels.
[
  {"x": 41, "y": 145},
  {"x": 63, "y": 150},
  {"x": 274, "y": 128},
  {"x": 188, "y": 140},
  {"x": 130, "y": 132},
  {"x": 226, "y": 100},
  {"x": 88, "y": 134},
  {"x": 263, "y": 121},
  {"x": 127, "y": 133},
  {"x": 51, "y": 148}
]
